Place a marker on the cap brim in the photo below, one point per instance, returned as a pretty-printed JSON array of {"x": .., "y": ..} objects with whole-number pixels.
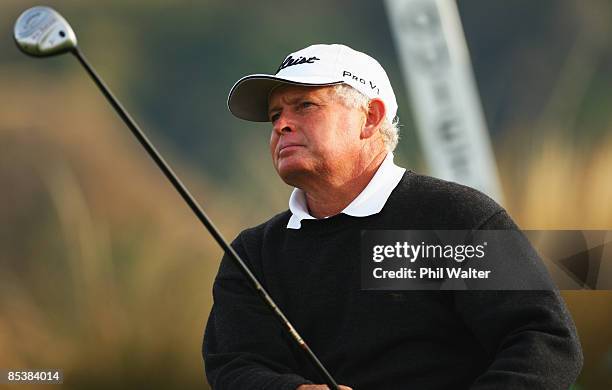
[{"x": 248, "y": 98}]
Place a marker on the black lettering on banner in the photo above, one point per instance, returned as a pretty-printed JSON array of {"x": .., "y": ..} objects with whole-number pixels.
[{"x": 290, "y": 61}]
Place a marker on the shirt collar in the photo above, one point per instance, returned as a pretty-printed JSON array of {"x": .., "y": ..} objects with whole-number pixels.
[{"x": 369, "y": 202}]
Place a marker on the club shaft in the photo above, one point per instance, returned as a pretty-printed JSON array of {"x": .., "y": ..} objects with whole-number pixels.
[{"x": 195, "y": 207}]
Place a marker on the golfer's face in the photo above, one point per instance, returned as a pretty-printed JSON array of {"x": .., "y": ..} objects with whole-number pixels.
[{"x": 313, "y": 133}]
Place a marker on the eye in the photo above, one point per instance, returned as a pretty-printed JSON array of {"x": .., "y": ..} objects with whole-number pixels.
[
  {"x": 274, "y": 117},
  {"x": 306, "y": 105}
]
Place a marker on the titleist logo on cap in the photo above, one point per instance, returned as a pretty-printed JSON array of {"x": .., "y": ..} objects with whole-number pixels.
[{"x": 290, "y": 61}]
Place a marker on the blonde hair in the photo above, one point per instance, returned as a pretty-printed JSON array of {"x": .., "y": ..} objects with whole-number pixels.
[{"x": 352, "y": 98}]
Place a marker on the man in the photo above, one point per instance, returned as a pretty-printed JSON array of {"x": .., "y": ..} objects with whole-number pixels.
[{"x": 332, "y": 111}]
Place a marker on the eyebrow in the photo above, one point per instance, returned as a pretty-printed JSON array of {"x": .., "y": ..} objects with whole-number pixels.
[
  {"x": 291, "y": 100},
  {"x": 272, "y": 110}
]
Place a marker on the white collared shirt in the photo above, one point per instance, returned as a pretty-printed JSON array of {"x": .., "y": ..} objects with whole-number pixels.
[{"x": 369, "y": 202}]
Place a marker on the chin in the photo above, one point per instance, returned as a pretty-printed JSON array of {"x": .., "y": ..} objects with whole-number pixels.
[{"x": 292, "y": 175}]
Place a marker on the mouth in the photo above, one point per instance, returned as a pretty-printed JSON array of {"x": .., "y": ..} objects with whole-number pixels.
[{"x": 288, "y": 148}]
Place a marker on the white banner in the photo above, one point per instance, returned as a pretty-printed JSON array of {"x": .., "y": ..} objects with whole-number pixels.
[{"x": 438, "y": 72}]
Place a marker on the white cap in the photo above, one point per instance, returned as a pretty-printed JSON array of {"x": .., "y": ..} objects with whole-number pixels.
[{"x": 315, "y": 65}]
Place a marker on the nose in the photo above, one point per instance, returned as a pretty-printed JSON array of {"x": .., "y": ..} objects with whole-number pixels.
[{"x": 282, "y": 124}]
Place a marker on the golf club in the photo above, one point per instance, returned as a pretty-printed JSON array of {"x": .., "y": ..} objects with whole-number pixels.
[{"x": 43, "y": 32}]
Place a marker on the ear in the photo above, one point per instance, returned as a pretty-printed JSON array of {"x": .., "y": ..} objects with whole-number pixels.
[{"x": 375, "y": 117}]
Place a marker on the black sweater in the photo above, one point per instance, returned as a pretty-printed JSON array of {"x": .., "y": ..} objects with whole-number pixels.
[{"x": 380, "y": 339}]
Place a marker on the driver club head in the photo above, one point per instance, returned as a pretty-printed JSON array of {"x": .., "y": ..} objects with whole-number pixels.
[{"x": 41, "y": 32}]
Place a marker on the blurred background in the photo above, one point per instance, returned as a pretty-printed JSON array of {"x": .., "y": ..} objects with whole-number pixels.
[{"x": 106, "y": 274}]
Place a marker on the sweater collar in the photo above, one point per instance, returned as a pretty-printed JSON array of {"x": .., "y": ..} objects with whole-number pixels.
[{"x": 369, "y": 202}]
